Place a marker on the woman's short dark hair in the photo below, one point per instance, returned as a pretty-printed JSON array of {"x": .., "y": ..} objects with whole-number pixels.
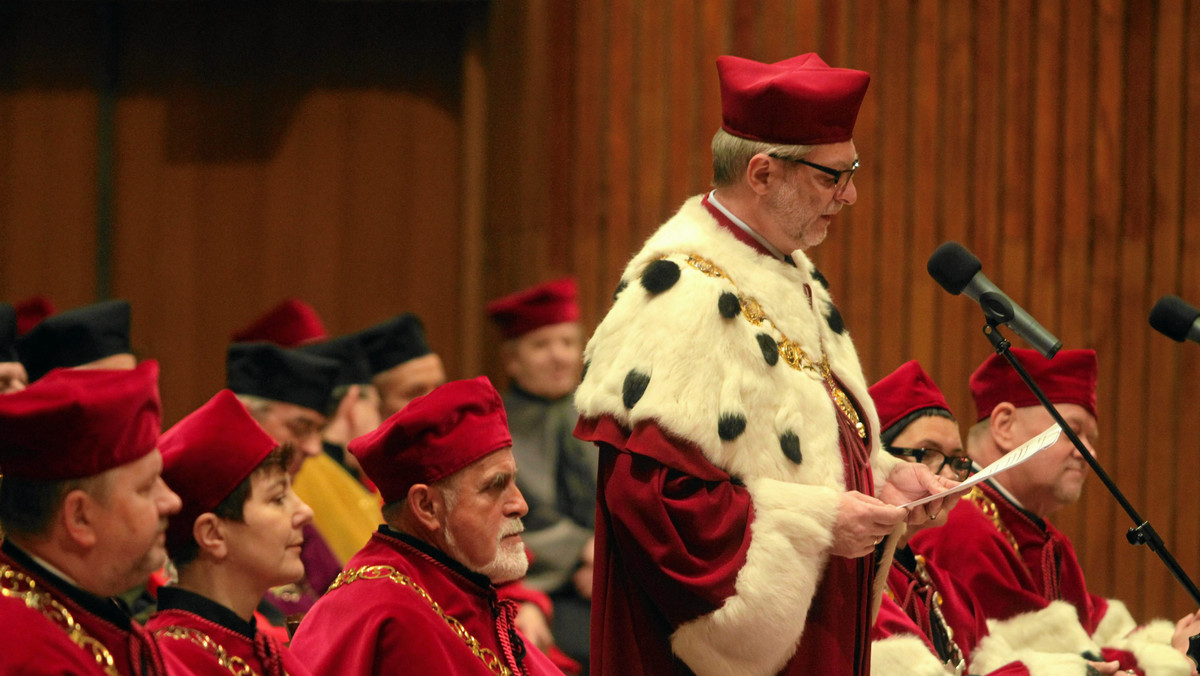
[{"x": 889, "y": 435}]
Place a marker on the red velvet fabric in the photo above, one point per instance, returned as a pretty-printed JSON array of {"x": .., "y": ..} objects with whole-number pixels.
[
  {"x": 1069, "y": 378},
  {"x": 1007, "y": 582},
  {"x": 264, "y": 655},
  {"x": 797, "y": 101},
  {"x": 78, "y": 423},
  {"x": 672, "y": 531},
  {"x": 290, "y": 323},
  {"x": 22, "y": 631},
  {"x": 530, "y": 309},
  {"x": 434, "y": 436},
  {"x": 903, "y": 391},
  {"x": 394, "y": 630}
]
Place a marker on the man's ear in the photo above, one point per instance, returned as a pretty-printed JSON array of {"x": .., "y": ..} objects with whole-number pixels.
[
  {"x": 426, "y": 505},
  {"x": 78, "y": 516},
  {"x": 209, "y": 532},
  {"x": 1003, "y": 424},
  {"x": 760, "y": 173}
]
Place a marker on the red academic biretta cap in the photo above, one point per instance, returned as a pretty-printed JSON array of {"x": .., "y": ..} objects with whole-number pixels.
[
  {"x": 904, "y": 391},
  {"x": 530, "y": 309},
  {"x": 206, "y": 455},
  {"x": 31, "y": 311},
  {"x": 293, "y": 322},
  {"x": 799, "y": 101},
  {"x": 1069, "y": 378},
  {"x": 75, "y": 423},
  {"x": 433, "y": 437}
]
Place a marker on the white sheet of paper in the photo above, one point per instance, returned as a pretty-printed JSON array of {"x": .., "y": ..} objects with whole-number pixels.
[{"x": 1017, "y": 456}]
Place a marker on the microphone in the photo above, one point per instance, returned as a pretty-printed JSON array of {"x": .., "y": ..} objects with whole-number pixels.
[
  {"x": 1175, "y": 319},
  {"x": 959, "y": 271}
]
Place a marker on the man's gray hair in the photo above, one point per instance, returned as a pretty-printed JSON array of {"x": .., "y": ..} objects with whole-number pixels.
[{"x": 731, "y": 155}]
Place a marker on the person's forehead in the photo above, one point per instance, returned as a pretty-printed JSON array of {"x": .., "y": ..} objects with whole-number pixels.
[
  {"x": 501, "y": 460},
  {"x": 290, "y": 412},
  {"x": 843, "y": 153},
  {"x": 944, "y": 431}
]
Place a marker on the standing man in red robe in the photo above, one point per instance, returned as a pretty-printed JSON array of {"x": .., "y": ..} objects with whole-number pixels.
[
  {"x": 742, "y": 488},
  {"x": 84, "y": 509},
  {"x": 419, "y": 598}
]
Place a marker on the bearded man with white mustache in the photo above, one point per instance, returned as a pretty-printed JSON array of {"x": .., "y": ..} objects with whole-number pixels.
[{"x": 420, "y": 597}]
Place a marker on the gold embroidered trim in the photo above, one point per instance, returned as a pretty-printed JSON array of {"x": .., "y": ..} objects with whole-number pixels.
[
  {"x": 489, "y": 658},
  {"x": 15, "y": 584},
  {"x": 236, "y": 665},
  {"x": 989, "y": 510},
  {"x": 957, "y": 661},
  {"x": 792, "y": 353}
]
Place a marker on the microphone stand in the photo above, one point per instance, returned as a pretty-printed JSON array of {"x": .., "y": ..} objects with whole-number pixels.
[{"x": 997, "y": 312}]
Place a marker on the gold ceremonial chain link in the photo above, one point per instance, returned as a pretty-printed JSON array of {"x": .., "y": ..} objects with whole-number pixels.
[
  {"x": 235, "y": 664},
  {"x": 489, "y": 658},
  {"x": 792, "y": 353},
  {"x": 957, "y": 661},
  {"x": 15, "y": 584},
  {"x": 989, "y": 510}
]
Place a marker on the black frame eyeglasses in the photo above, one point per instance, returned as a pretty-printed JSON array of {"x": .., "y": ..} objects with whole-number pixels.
[
  {"x": 841, "y": 177},
  {"x": 961, "y": 465}
]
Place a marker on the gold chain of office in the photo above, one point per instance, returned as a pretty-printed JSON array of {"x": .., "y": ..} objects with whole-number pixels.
[
  {"x": 18, "y": 585},
  {"x": 236, "y": 665},
  {"x": 985, "y": 505},
  {"x": 380, "y": 572},
  {"x": 790, "y": 350}
]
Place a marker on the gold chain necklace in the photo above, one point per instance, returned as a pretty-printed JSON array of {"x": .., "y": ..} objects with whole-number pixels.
[
  {"x": 985, "y": 505},
  {"x": 235, "y": 664},
  {"x": 957, "y": 660},
  {"x": 792, "y": 353},
  {"x": 489, "y": 658},
  {"x": 15, "y": 584}
]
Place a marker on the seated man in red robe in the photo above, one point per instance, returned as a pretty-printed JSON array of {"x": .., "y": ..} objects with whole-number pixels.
[
  {"x": 84, "y": 508},
  {"x": 998, "y": 542},
  {"x": 238, "y": 534},
  {"x": 419, "y": 598},
  {"x": 928, "y": 623}
]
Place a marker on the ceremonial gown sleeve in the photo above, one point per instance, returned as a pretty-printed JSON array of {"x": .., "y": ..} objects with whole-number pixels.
[{"x": 31, "y": 645}]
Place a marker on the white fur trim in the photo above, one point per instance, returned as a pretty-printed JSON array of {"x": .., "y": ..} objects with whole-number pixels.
[
  {"x": 994, "y": 652},
  {"x": 1053, "y": 629},
  {"x": 1151, "y": 645},
  {"x": 1116, "y": 624},
  {"x": 904, "y": 655},
  {"x": 757, "y": 629}
]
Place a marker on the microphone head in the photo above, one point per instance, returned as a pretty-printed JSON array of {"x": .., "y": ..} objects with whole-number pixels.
[
  {"x": 1173, "y": 317},
  {"x": 953, "y": 266}
]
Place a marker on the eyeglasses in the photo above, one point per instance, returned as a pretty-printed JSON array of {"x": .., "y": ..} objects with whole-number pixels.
[
  {"x": 935, "y": 460},
  {"x": 841, "y": 178}
]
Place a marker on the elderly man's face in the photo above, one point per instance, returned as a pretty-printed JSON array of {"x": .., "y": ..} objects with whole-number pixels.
[
  {"x": 404, "y": 382},
  {"x": 482, "y": 525},
  {"x": 131, "y": 522},
  {"x": 547, "y": 362},
  {"x": 804, "y": 204}
]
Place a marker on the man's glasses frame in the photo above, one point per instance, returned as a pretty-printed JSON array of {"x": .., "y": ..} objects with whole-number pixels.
[
  {"x": 961, "y": 465},
  {"x": 836, "y": 174}
]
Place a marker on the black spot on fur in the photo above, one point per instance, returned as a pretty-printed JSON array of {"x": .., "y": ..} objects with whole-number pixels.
[
  {"x": 769, "y": 347},
  {"x": 620, "y": 288},
  {"x": 728, "y": 305},
  {"x": 790, "y": 443},
  {"x": 835, "y": 319},
  {"x": 634, "y": 387},
  {"x": 820, "y": 278},
  {"x": 736, "y": 480},
  {"x": 660, "y": 276},
  {"x": 586, "y": 366},
  {"x": 731, "y": 426}
]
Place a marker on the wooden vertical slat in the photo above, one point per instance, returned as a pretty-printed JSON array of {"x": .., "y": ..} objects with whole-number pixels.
[{"x": 927, "y": 171}]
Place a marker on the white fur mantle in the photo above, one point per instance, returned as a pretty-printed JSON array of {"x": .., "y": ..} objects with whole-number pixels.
[{"x": 702, "y": 365}]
